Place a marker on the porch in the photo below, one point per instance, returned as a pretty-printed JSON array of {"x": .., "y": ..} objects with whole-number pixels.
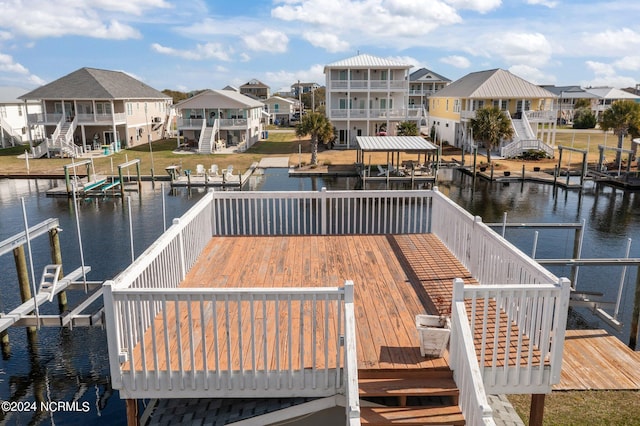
[{"x": 267, "y": 308}]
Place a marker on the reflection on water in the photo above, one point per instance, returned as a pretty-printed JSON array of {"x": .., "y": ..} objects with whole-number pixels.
[{"x": 69, "y": 365}]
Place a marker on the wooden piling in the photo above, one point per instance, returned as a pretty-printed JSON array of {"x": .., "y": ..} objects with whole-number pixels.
[
  {"x": 523, "y": 172},
  {"x": 133, "y": 419},
  {"x": 23, "y": 278},
  {"x": 120, "y": 176},
  {"x": 635, "y": 316},
  {"x": 56, "y": 258},
  {"x": 139, "y": 177},
  {"x": 536, "y": 413}
]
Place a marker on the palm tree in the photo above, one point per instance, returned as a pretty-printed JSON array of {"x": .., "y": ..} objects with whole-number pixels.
[
  {"x": 623, "y": 118},
  {"x": 407, "y": 128},
  {"x": 320, "y": 129},
  {"x": 490, "y": 126}
]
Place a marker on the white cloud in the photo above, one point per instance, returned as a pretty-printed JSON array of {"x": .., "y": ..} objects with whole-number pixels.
[
  {"x": 245, "y": 57},
  {"x": 285, "y": 78},
  {"x": 531, "y": 49},
  {"x": 456, "y": 61},
  {"x": 201, "y": 52},
  {"x": 612, "y": 42},
  {"x": 328, "y": 41},
  {"x": 548, "y": 3},
  {"x": 99, "y": 19},
  {"x": 381, "y": 23},
  {"x": 532, "y": 74},
  {"x": 267, "y": 40},
  {"x": 9, "y": 66},
  {"x": 482, "y": 6},
  {"x": 606, "y": 75},
  {"x": 630, "y": 63}
]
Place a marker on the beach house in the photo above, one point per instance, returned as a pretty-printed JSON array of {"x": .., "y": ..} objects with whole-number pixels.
[
  {"x": 281, "y": 109},
  {"x": 531, "y": 109},
  {"x": 93, "y": 108},
  {"x": 367, "y": 96},
  {"x": 256, "y": 89},
  {"x": 214, "y": 120},
  {"x": 13, "y": 118},
  {"x": 422, "y": 84}
]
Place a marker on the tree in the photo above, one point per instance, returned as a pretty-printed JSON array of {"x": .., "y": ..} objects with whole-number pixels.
[
  {"x": 490, "y": 126},
  {"x": 623, "y": 118},
  {"x": 583, "y": 118},
  {"x": 407, "y": 128},
  {"x": 318, "y": 127},
  {"x": 582, "y": 103}
]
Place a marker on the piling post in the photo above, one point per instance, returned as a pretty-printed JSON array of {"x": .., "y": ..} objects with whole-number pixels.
[
  {"x": 536, "y": 412},
  {"x": 139, "y": 176},
  {"x": 568, "y": 176},
  {"x": 555, "y": 175},
  {"x": 67, "y": 179},
  {"x": 523, "y": 172},
  {"x": 23, "y": 279},
  {"x": 56, "y": 258},
  {"x": 132, "y": 412},
  {"x": 635, "y": 316},
  {"x": 491, "y": 179},
  {"x": 577, "y": 251},
  {"x": 6, "y": 347},
  {"x": 121, "y": 181}
]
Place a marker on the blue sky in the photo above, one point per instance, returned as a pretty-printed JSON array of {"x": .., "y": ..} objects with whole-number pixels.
[{"x": 197, "y": 44}]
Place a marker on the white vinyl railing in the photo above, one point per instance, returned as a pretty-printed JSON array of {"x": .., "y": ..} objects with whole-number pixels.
[
  {"x": 321, "y": 213},
  {"x": 464, "y": 363},
  {"x": 190, "y": 123},
  {"x": 531, "y": 319},
  {"x": 518, "y": 147},
  {"x": 194, "y": 341},
  {"x": 547, "y": 115},
  {"x": 202, "y": 135}
]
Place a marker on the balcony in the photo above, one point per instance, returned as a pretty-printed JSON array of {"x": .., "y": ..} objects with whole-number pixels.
[
  {"x": 369, "y": 85},
  {"x": 391, "y": 114}
]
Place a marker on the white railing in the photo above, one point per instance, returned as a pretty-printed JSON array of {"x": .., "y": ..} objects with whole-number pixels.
[
  {"x": 14, "y": 136},
  {"x": 531, "y": 319},
  {"x": 202, "y": 135},
  {"x": 190, "y": 123},
  {"x": 233, "y": 122},
  {"x": 370, "y": 85},
  {"x": 41, "y": 118},
  {"x": 192, "y": 342},
  {"x": 321, "y": 213},
  {"x": 545, "y": 116},
  {"x": 487, "y": 256},
  {"x": 101, "y": 118},
  {"x": 516, "y": 148},
  {"x": 464, "y": 363},
  {"x": 351, "y": 390},
  {"x": 56, "y": 133},
  {"x": 467, "y": 114}
]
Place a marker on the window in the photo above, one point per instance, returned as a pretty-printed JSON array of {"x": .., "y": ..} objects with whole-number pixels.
[
  {"x": 129, "y": 108},
  {"x": 447, "y": 105},
  {"x": 456, "y": 105},
  {"x": 276, "y": 107}
]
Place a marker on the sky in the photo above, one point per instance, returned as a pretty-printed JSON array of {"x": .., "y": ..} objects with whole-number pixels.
[{"x": 197, "y": 44}]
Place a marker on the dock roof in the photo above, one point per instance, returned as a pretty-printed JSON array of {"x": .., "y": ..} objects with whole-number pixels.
[{"x": 395, "y": 143}]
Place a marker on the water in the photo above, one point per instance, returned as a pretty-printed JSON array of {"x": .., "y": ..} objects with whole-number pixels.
[{"x": 69, "y": 365}]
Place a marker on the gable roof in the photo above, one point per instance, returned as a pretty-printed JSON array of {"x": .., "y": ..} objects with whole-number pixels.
[
  {"x": 92, "y": 83},
  {"x": 611, "y": 93},
  {"x": 280, "y": 99},
  {"x": 219, "y": 99},
  {"x": 424, "y": 74},
  {"x": 367, "y": 61},
  {"x": 496, "y": 84},
  {"x": 254, "y": 83}
]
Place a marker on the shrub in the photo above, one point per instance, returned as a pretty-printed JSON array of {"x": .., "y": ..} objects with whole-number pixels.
[
  {"x": 583, "y": 118},
  {"x": 533, "y": 154}
]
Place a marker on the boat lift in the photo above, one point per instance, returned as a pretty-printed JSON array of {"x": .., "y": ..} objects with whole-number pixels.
[{"x": 582, "y": 298}]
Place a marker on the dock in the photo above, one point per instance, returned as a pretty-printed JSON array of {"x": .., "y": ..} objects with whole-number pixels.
[{"x": 206, "y": 179}]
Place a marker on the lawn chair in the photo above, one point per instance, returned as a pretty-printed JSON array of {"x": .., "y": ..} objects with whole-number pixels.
[
  {"x": 228, "y": 173},
  {"x": 381, "y": 171},
  {"x": 214, "y": 170},
  {"x": 200, "y": 170}
]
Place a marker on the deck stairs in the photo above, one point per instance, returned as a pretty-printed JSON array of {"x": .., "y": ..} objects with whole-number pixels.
[
  {"x": 65, "y": 142},
  {"x": 524, "y": 139},
  {"x": 412, "y": 397},
  {"x": 206, "y": 140}
]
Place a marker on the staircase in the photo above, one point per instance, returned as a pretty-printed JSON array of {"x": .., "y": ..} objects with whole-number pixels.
[
  {"x": 524, "y": 140},
  {"x": 412, "y": 397},
  {"x": 522, "y": 130},
  {"x": 66, "y": 148},
  {"x": 205, "y": 141}
]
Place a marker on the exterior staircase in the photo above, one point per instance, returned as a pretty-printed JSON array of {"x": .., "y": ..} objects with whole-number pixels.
[
  {"x": 412, "y": 397},
  {"x": 205, "y": 145},
  {"x": 67, "y": 148},
  {"x": 524, "y": 139}
]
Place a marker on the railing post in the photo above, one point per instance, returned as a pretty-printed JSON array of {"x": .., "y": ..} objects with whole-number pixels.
[
  {"x": 323, "y": 211},
  {"x": 183, "y": 267},
  {"x": 113, "y": 337},
  {"x": 562, "y": 311}
]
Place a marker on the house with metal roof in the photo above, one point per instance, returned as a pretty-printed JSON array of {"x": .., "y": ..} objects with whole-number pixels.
[
  {"x": 531, "y": 109},
  {"x": 367, "y": 95},
  {"x": 90, "y": 108},
  {"x": 422, "y": 84},
  {"x": 604, "y": 97},
  {"x": 568, "y": 96},
  {"x": 281, "y": 109},
  {"x": 214, "y": 120},
  {"x": 13, "y": 117}
]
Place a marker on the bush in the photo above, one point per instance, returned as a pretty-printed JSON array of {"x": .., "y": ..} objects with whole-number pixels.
[
  {"x": 533, "y": 154},
  {"x": 583, "y": 118}
]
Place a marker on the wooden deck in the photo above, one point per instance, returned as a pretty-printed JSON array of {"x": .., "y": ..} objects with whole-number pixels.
[
  {"x": 395, "y": 278},
  {"x": 595, "y": 360}
]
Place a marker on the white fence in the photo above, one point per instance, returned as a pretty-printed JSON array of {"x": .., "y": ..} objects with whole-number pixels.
[
  {"x": 527, "y": 301},
  {"x": 518, "y": 147}
]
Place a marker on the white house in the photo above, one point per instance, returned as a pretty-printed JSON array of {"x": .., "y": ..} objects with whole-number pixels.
[
  {"x": 604, "y": 97},
  {"x": 281, "y": 109},
  {"x": 367, "y": 95},
  {"x": 13, "y": 117},
  {"x": 422, "y": 84},
  {"x": 217, "y": 119}
]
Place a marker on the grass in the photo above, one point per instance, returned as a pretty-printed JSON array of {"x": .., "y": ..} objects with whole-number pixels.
[{"x": 592, "y": 408}]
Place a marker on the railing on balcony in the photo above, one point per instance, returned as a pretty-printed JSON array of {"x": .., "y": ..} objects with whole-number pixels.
[
  {"x": 369, "y": 85},
  {"x": 233, "y": 123},
  {"x": 514, "y": 292},
  {"x": 190, "y": 123},
  {"x": 118, "y": 117},
  {"x": 466, "y": 114},
  {"x": 541, "y": 116},
  {"x": 359, "y": 113}
]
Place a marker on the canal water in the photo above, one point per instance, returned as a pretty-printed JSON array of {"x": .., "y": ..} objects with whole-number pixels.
[{"x": 72, "y": 365}]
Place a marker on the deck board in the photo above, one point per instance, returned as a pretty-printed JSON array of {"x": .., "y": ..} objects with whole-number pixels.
[{"x": 395, "y": 278}]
